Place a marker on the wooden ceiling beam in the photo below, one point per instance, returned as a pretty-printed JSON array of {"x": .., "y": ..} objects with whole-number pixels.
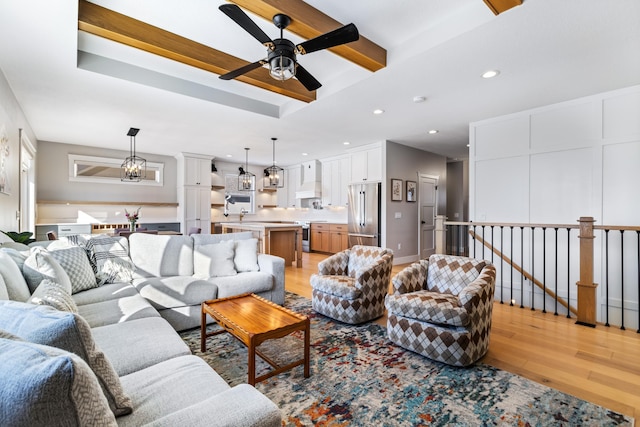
[
  {"x": 120, "y": 28},
  {"x": 308, "y": 22},
  {"x": 499, "y": 6}
]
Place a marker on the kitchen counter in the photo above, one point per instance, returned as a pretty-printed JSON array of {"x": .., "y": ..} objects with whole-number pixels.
[{"x": 280, "y": 239}]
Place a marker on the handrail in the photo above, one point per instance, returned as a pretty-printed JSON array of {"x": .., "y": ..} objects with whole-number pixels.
[{"x": 511, "y": 224}]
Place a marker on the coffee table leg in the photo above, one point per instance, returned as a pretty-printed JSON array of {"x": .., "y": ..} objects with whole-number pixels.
[
  {"x": 203, "y": 329},
  {"x": 307, "y": 339},
  {"x": 252, "y": 362}
]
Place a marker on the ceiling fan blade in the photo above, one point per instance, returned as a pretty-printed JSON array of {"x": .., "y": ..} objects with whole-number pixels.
[
  {"x": 242, "y": 70},
  {"x": 307, "y": 80},
  {"x": 346, "y": 34},
  {"x": 242, "y": 19}
]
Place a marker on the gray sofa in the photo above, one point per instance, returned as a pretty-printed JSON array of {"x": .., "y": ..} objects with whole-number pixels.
[{"x": 132, "y": 337}]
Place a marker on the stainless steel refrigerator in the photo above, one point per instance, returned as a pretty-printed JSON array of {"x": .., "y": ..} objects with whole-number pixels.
[{"x": 364, "y": 214}]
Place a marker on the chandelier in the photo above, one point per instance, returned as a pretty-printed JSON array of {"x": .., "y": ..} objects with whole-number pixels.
[
  {"x": 134, "y": 168},
  {"x": 273, "y": 175},
  {"x": 246, "y": 180}
]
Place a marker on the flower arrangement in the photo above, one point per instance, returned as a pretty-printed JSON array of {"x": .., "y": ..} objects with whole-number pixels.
[{"x": 132, "y": 217}]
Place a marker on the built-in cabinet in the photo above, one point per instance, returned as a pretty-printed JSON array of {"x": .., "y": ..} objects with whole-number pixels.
[
  {"x": 336, "y": 175},
  {"x": 330, "y": 238},
  {"x": 286, "y": 196},
  {"x": 194, "y": 192},
  {"x": 366, "y": 165}
]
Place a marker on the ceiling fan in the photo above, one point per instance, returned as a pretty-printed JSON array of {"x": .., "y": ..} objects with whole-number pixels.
[{"x": 281, "y": 53}]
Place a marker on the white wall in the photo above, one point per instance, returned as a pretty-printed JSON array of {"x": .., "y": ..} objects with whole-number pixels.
[
  {"x": 555, "y": 164},
  {"x": 12, "y": 119}
]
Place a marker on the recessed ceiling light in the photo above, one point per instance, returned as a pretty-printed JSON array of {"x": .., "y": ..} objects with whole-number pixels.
[
  {"x": 418, "y": 99},
  {"x": 491, "y": 73},
  {"x": 305, "y": 154},
  {"x": 378, "y": 111},
  {"x": 346, "y": 143},
  {"x": 229, "y": 155},
  {"x": 468, "y": 145},
  {"x": 432, "y": 131}
]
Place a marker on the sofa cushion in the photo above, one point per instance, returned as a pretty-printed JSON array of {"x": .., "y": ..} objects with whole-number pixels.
[
  {"x": 18, "y": 256},
  {"x": 104, "y": 293},
  {"x": 169, "y": 386},
  {"x": 116, "y": 310},
  {"x": 177, "y": 291},
  {"x": 66, "y": 331},
  {"x": 214, "y": 260},
  {"x": 53, "y": 294},
  {"x": 253, "y": 281},
  {"x": 340, "y": 286},
  {"x": 43, "y": 385},
  {"x": 4, "y": 293},
  {"x": 161, "y": 256},
  {"x": 17, "y": 288},
  {"x": 138, "y": 344},
  {"x": 362, "y": 256},
  {"x": 449, "y": 274},
  {"x": 246, "y": 255},
  {"x": 432, "y": 307}
]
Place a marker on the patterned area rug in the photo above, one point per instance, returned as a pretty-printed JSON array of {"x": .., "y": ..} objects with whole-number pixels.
[{"x": 360, "y": 378}]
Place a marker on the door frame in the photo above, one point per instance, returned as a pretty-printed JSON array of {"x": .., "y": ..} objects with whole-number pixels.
[{"x": 437, "y": 179}]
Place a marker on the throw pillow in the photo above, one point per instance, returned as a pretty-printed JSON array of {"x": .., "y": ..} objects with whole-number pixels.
[
  {"x": 246, "y": 256},
  {"x": 17, "y": 288},
  {"x": 53, "y": 294},
  {"x": 70, "y": 332},
  {"x": 42, "y": 385},
  {"x": 41, "y": 265},
  {"x": 4, "y": 293},
  {"x": 214, "y": 260},
  {"x": 110, "y": 257}
]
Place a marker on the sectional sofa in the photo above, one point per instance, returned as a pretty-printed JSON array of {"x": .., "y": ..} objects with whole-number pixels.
[{"x": 88, "y": 330}]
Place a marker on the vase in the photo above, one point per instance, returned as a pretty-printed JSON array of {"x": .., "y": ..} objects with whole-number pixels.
[{"x": 132, "y": 226}]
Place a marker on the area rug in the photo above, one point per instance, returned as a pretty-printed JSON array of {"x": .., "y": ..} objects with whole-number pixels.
[{"x": 359, "y": 378}]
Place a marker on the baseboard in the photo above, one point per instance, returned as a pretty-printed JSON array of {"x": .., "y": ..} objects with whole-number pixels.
[{"x": 406, "y": 259}]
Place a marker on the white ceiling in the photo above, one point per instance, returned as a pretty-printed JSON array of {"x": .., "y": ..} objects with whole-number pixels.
[{"x": 80, "y": 89}]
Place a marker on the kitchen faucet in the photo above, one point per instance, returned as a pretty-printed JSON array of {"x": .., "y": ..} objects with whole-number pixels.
[{"x": 242, "y": 212}]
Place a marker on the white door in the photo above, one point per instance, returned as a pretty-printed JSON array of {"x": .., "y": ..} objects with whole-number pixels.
[
  {"x": 428, "y": 200},
  {"x": 27, "y": 186}
]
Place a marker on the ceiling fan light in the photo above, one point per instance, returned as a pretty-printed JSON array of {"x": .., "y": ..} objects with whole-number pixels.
[{"x": 282, "y": 67}]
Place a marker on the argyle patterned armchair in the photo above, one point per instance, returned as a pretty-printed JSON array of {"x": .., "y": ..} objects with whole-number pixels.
[
  {"x": 441, "y": 308},
  {"x": 351, "y": 285}
]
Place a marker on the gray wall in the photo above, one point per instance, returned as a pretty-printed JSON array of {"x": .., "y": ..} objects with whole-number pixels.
[
  {"x": 53, "y": 183},
  {"x": 407, "y": 163},
  {"x": 457, "y": 191}
]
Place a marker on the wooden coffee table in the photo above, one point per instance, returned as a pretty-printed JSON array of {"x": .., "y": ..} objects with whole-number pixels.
[{"x": 253, "y": 320}]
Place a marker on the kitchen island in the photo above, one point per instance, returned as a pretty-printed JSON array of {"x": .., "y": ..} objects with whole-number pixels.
[{"x": 283, "y": 240}]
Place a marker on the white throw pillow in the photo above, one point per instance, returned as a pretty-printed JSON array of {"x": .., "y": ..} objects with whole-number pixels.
[
  {"x": 53, "y": 294},
  {"x": 17, "y": 288},
  {"x": 246, "y": 257},
  {"x": 214, "y": 260}
]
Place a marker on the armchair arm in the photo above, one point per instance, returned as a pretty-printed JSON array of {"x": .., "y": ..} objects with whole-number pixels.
[
  {"x": 411, "y": 278},
  {"x": 479, "y": 290},
  {"x": 335, "y": 265}
]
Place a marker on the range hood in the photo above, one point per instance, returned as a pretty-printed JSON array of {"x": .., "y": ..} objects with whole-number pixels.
[{"x": 311, "y": 187}]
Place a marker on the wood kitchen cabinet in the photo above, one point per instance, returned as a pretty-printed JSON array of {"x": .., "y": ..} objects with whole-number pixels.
[{"x": 330, "y": 238}]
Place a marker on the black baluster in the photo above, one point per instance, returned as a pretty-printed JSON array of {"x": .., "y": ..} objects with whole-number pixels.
[
  {"x": 492, "y": 247},
  {"x": 544, "y": 269},
  {"x": 533, "y": 267},
  {"x": 474, "y": 240},
  {"x": 521, "y": 267},
  {"x": 568, "y": 273},
  {"x": 483, "y": 241},
  {"x": 555, "y": 313},
  {"x": 606, "y": 276},
  {"x": 622, "y": 280},
  {"x": 501, "y": 265},
  {"x": 511, "y": 265}
]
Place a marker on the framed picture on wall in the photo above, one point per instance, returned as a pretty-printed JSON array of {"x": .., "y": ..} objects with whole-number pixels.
[
  {"x": 396, "y": 190},
  {"x": 411, "y": 191}
]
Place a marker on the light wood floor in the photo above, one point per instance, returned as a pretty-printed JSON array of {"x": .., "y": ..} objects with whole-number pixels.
[{"x": 600, "y": 365}]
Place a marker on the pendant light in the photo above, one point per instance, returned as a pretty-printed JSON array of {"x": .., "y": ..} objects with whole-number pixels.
[
  {"x": 273, "y": 175},
  {"x": 134, "y": 168},
  {"x": 246, "y": 180}
]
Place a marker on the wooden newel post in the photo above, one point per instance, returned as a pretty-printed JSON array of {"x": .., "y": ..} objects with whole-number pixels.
[
  {"x": 441, "y": 234},
  {"x": 586, "y": 287}
]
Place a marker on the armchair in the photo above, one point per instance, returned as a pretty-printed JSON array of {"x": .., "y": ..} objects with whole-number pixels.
[
  {"x": 351, "y": 285},
  {"x": 441, "y": 308}
]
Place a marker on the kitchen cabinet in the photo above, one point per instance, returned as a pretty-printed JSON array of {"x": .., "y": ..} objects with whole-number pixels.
[
  {"x": 61, "y": 230},
  {"x": 286, "y": 196},
  {"x": 330, "y": 238},
  {"x": 196, "y": 209},
  {"x": 336, "y": 175},
  {"x": 194, "y": 170},
  {"x": 366, "y": 165}
]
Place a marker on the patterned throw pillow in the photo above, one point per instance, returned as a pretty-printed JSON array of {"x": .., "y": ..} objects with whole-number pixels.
[
  {"x": 110, "y": 257},
  {"x": 53, "y": 294},
  {"x": 41, "y": 265},
  {"x": 70, "y": 332}
]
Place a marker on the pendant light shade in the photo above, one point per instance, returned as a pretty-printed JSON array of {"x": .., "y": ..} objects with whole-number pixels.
[
  {"x": 273, "y": 175},
  {"x": 134, "y": 168},
  {"x": 246, "y": 180}
]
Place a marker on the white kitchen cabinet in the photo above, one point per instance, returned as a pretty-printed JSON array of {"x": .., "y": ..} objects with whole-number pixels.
[
  {"x": 196, "y": 209},
  {"x": 286, "y": 196},
  {"x": 336, "y": 175},
  {"x": 194, "y": 169},
  {"x": 366, "y": 165}
]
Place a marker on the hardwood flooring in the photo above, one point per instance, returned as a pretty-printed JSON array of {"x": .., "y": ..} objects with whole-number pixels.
[{"x": 600, "y": 365}]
